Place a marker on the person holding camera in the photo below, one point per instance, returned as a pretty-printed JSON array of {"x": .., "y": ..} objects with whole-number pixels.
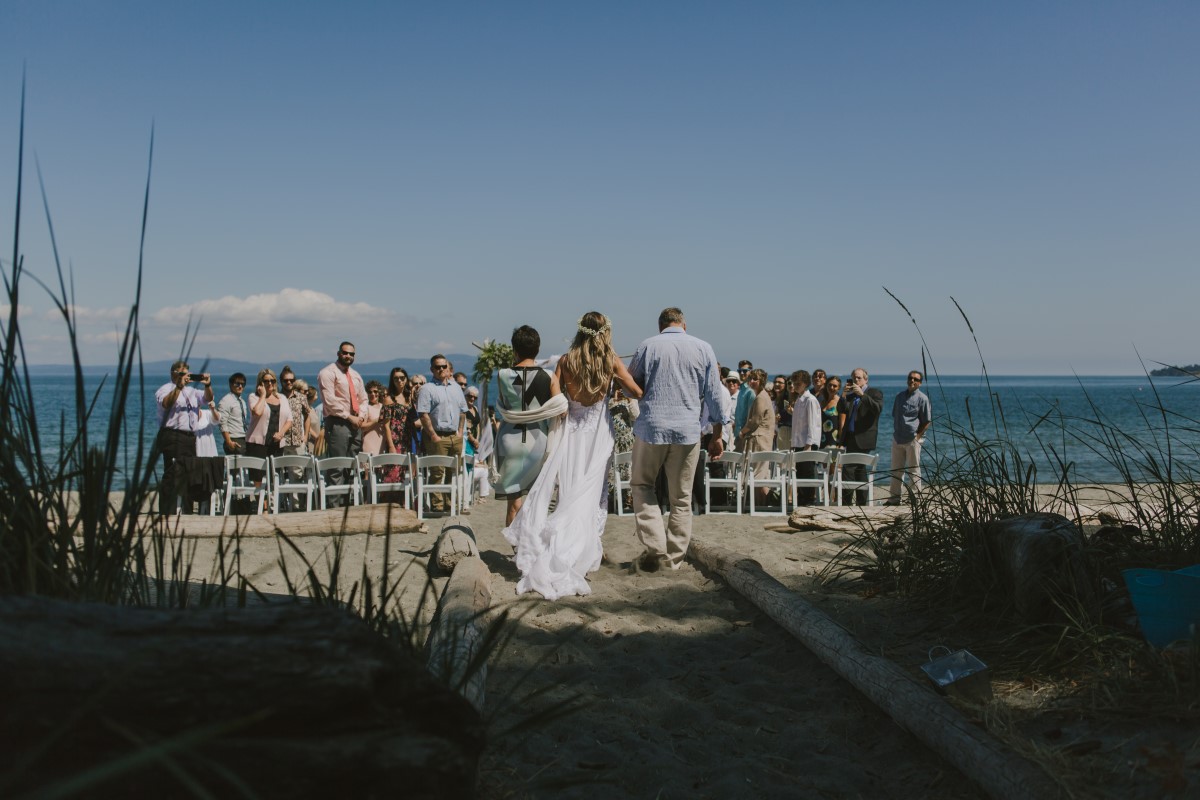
[
  {"x": 178, "y": 403},
  {"x": 860, "y": 407}
]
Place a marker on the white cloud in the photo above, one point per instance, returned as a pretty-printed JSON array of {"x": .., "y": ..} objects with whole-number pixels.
[
  {"x": 85, "y": 314},
  {"x": 111, "y": 337},
  {"x": 287, "y": 306},
  {"x": 22, "y": 311}
]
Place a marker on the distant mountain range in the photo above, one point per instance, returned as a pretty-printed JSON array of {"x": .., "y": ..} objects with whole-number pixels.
[{"x": 222, "y": 368}]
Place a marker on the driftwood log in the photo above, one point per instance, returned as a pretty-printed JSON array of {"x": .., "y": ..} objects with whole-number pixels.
[
  {"x": 456, "y": 542},
  {"x": 1038, "y": 558},
  {"x": 914, "y": 706},
  {"x": 376, "y": 519},
  {"x": 289, "y": 700},
  {"x": 458, "y": 635}
]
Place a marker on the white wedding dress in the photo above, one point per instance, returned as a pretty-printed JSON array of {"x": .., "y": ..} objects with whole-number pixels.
[{"x": 556, "y": 550}]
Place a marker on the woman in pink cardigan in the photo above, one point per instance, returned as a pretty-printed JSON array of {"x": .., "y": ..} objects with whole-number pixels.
[{"x": 270, "y": 418}]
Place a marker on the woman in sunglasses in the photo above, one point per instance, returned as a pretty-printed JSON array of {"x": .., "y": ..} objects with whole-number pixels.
[
  {"x": 397, "y": 422},
  {"x": 270, "y": 418}
]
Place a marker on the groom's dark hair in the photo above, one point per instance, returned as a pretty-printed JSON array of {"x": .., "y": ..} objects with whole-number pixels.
[
  {"x": 670, "y": 316},
  {"x": 526, "y": 342}
]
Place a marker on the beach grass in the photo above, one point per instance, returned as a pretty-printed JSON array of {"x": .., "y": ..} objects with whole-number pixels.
[
  {"x": 78, "y": 521},
  {"x": 936, "y": 556}
]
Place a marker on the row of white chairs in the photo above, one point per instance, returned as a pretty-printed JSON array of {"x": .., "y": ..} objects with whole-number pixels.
[
  {"x": 784, "y": 474},
  {"x": 308, "y": 482}
]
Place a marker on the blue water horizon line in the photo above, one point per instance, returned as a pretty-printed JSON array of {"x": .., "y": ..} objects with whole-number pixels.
[{"x": 376, "y": 368}]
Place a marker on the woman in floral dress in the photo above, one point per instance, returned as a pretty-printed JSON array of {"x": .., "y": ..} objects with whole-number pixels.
[{"x": 397, "y": 423}]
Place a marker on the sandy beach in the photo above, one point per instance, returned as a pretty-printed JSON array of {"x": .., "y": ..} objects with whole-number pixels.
[
  {"x": 683, "y": 688},
  {"x": 691, "y": 691},
  {"x": 679, "y": 687}
]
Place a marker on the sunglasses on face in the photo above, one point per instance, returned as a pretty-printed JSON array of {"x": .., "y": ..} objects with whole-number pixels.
[
  {"x": 345, "y": 353},
  {"x": 268, "y": 381}
]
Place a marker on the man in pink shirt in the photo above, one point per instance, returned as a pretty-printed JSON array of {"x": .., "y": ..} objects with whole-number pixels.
[{"x": 344, "y": 398}]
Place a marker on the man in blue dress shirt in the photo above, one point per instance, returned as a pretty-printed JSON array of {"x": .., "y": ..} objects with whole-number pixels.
[
  {"x": 680, "y": 375},
  {"x": 443, "y": 410}
]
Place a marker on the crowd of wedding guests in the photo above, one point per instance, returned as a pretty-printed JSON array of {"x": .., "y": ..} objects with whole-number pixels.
[
  {"x": 340, "y": 415},
  {"x": 809, "y": 411}
]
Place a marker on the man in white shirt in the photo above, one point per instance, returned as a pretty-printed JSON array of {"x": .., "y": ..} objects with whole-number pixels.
[
  {"x": 178, "y": 403},
  {"x": 232, "y": 411},
  {"x": 806, "y": 426}
]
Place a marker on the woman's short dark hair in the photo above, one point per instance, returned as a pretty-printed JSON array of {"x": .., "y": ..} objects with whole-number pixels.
[{"x": 526, "y": 342}]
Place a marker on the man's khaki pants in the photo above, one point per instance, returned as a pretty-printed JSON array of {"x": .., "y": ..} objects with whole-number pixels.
[
  {"x": 444, "y": 446},
  {"x": 678, "y": 462},
  {"x": 905, "y": 458}
]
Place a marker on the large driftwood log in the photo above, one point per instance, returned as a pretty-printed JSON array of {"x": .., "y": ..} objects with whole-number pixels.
[
  {"x": 290, "y": 700},
  {"x": 456, "y": 542},
  {"x": 850, "y": 519},
  {"x": 1037, "y": 558},
  {"x": 375, "y": 519},
  {"x": 914, "y": 706},
  {"x": 459, "y": 630}
]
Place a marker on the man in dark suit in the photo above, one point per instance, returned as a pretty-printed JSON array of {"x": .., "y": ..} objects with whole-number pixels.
[{"x": 862, "y": 407}]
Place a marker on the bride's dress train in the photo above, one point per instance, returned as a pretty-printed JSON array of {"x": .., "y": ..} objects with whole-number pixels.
[{"x": 555, "y": 550}]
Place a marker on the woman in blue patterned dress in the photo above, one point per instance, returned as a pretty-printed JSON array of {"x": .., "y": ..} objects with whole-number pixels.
[{"x": 521, "y": 449}]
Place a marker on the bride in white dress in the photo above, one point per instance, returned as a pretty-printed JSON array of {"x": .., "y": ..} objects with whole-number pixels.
[{"x": 556, "y": 550}]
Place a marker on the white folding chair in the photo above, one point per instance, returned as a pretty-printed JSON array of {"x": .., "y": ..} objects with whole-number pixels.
[
  {"x": 732, "y": 481},
  {"x": 364, "y": 466},
  {"x": 216, "y": 501},
  {"x": 867, "y": 460},
  {"x": 376, "y": 483},
  {"x": 350, "y": 487},
  {"x": 239, "y": 484},
  {"x": 621, "y": 485},
  {"x": 466, "y": 491},
  {"x": 421, "y": 467},
  {"x": 293, "y": 475},
  {"x": 776, "y": 479},
  {"x": 819, "y": 479}
]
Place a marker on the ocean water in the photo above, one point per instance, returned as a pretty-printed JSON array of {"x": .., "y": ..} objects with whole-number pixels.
[{"x": 1038, "y": 412}]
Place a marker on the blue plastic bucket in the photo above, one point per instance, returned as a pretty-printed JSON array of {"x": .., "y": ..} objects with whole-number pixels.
[{"x": 1167, "y": 603}]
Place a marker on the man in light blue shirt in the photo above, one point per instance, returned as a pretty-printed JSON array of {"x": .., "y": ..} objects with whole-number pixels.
[
  {"x": 680, "y": 376},
  {"x": 912, "y": 415},
  {"x": 443, "y": 410}
]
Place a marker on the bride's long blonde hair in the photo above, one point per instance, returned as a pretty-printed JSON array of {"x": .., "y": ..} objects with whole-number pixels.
[{"x": 590, "y": 359}]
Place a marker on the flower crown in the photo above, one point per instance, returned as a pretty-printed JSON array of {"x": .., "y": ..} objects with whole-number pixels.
[{"x": 589, "y": 331}]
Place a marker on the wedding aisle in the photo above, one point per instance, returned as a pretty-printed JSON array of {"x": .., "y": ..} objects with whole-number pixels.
[{"x": 688, "y": 690}]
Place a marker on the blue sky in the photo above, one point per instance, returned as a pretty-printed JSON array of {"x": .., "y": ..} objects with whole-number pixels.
[{"x": 417, "y": 176}]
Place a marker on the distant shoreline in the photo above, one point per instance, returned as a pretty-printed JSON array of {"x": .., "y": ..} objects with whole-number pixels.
[
  {"x": 465, "y": 363},
  {"x": 1190, "y": 371}
]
